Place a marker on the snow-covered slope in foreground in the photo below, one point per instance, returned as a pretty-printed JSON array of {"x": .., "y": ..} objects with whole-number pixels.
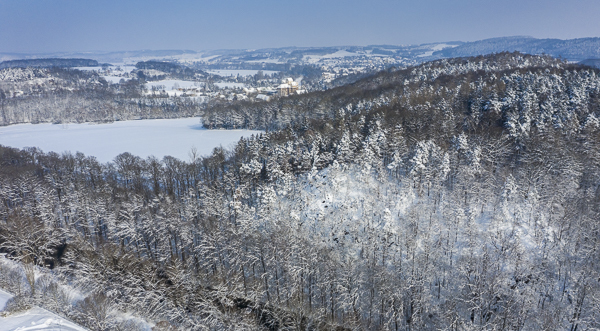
[
  {"x": 33, "y": 319},
  {"x": 4, "y": 297}
]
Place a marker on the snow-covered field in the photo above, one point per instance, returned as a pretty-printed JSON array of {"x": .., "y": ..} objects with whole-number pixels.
[
  {"x": 88, "y": 68},
  {"x": 435, "y": 48},
  {"x": 230, "y": 85},
  {"x": 336, "y": 55},
  {"x": 114, "y": 79},
  {"x": 174, "y": 137},
  {"x": 171, "y": 84},
  {"x": 228, "y": 73},
  {"x": 277, "y": 61},
  {"x": 439, "y": 47},
  {"x": 124, "y": 67}
]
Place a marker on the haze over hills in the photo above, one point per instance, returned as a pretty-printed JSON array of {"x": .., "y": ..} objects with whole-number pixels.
[{"x": 570, "y": 49}]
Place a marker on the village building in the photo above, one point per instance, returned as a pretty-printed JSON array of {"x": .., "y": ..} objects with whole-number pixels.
[
  {"x": 263, "y": 97},
  {"x": 288, "y": 87}
]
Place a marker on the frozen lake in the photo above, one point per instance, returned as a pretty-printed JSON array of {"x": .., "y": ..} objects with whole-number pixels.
[{"x": 174, "y": 137}]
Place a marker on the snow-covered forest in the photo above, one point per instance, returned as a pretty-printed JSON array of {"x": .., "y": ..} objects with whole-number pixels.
[
  {"x": 460, "y": 194},
  {"x": 59, "y": 95}
]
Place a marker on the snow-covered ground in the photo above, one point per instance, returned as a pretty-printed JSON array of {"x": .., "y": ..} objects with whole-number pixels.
[
  {"x": 174, "y": 137},
  {"x": 4, "y": 297},
  {"x": 171, "y": 84},
  {"x": 89, "y": 68},
  {"x": 338, "y": 54},
  {"x": 439, "y": 47},
  {"x": 33, "y": 319},
  {"x": 230, "y": 85},
  {"x": 436, "y": 48},
  {"x": 277, "y": 61},
  {"x": 37, "y": 319},
  {"x": 124, "y": 67},
  {"x": 228, "y": 73},
  {"x": 114, "y": 79}
]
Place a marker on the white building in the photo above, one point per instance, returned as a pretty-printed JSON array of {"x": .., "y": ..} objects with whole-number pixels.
[{"x": 288, "y": 87}]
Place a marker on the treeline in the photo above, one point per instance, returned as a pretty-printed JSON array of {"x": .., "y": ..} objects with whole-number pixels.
[
  {"x": 167, "y": 69},
  {"x": 49, "y": 63},
  {"x": 389, "y": 216}
]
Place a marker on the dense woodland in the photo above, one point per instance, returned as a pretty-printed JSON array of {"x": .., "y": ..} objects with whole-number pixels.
[
  {"x": 49, "y": 63},
  {"x": 460, "y": 194}
]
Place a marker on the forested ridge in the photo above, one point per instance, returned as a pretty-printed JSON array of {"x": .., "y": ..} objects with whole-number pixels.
[
  {"x": 49, "y": 63},
  {"x": 62, "y": 95},
  {"x": 572, "y": 49},
  {"x": 460, "y": 194}
]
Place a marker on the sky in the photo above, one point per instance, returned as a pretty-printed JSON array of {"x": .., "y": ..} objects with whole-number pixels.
[{"x": 30, "y": 26}]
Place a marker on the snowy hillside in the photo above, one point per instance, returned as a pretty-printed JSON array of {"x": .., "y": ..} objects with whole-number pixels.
[{"x": 457, "y": 194}]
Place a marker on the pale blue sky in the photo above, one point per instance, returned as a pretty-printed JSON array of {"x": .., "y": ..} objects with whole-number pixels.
[{"x": 110, "y": 25}]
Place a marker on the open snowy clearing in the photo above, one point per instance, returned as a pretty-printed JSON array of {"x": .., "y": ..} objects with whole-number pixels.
[
  {"x": 228, "y": 73},
  {"x": 174, "y": 137},
  {"x": 115, "y": 79},
  {"x": 435, "y": 48},
  {"x": 439, "y": 47},
  {"x": 336, "y": 55},
  {"x": 172, "y": 84},
  {"x": 230, "y": 85},
  {"x": 276, "y": 61},
  {"x": 124, "y": 67},
  {"x": 98, "y": 68},
  {"x": 33, "y": 319}
]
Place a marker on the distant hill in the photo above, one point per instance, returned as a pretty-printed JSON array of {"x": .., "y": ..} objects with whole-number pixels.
[
  {"x": 572, "y": 49},
  {"x": 48, "y": 63},
  {"x": 282, "y": 59},
  {"x": 591, "y": 62},
  {"x": 141, "y": 55}
]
